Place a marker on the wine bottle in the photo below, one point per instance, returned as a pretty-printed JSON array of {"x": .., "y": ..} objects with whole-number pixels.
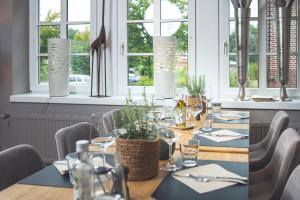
[{"x": 181, "y": 113}]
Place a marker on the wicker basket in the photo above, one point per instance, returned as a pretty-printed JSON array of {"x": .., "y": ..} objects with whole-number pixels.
[{"x": 140, "y": 156}]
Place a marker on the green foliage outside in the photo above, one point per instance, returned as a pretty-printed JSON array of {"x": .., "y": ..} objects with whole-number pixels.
[
  {"x": 253, "y": 70},
  {"x": 139, "y": 41},
  {"x": 80, "y": 43}
]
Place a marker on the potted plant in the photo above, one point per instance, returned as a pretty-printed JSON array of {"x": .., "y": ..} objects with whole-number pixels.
[
  {"x": 137, "y": 143},
  {"x": 196, "y": 88}
]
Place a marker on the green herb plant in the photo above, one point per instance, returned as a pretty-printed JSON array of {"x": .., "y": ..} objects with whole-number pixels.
[
  {"x": 139, "y": 121},
  {"x": 196, "y": 86}
]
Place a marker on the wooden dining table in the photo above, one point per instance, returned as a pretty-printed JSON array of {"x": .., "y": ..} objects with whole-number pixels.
[{"x": 138, "y": 189}]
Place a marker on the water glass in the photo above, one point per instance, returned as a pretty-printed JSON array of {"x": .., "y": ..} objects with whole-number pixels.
[
  {"x": 216, "y": 108},
  {"x": 71, "y": 160},
  {"x": 189, "y": 152},
  {"x": 207, "y": 125}
]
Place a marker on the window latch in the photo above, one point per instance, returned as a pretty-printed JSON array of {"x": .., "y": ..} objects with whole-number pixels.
[
  {"x": 122, "y": 49},
  {"x": 225, "y": 48}
]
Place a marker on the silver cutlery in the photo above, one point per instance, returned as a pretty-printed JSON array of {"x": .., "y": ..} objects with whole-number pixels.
[
  {"x": 226, "y": 135},
  {"x": 205, "y": 180},
  {"x": 198, "y": 176}
]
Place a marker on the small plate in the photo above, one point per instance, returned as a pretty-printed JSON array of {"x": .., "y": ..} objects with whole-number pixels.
[{"x": 188, "y": 126}]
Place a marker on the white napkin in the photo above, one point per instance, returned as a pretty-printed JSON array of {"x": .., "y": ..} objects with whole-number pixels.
[
  {"x": 206, "y": 170},
  {"x": 217, "y": 135},
  {"x": 230, "y": 117},
  {"x": 61, "y": 166}
]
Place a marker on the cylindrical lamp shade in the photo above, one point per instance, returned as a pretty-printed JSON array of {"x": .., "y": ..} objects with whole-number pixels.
[
  {"x": 164, "y": 48},
  {"x": 58, "y": 67}
]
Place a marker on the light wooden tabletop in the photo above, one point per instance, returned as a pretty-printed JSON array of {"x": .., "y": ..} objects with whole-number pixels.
[{"x": 137, "y": 190}]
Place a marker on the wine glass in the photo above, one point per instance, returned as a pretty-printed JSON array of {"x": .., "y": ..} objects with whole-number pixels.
[
  {"x": 197, "y": 112},
  {"x": 169, "y": 137},
  {"x": 102, "y": 142}
]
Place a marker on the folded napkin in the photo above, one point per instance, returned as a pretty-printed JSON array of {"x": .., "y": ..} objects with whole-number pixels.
[
  {"x": 222, "y": 135},
  {"x": 206, "y": 170},
  {"x": 230, "y": 117},
  {"x": 61, "y": 166}
]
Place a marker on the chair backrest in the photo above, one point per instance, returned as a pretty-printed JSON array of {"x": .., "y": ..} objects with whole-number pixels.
[
  {"x": 110, "y": 120},
  {"x": 66, "y": 137},
  {"x": 292, "y": 188},
  {"x": 279, "y": 123},
  {"x": 284, "y": 161},
  {"x": 17, "y": 163}
]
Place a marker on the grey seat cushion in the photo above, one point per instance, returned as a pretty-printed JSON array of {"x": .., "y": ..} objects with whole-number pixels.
[
  {"x": 66, "y": 137},
  {"x": 292, "y": 188},
  {"x": 261, "y": 153},
  {"x": 269, "y": 182},
  {"x": 17, "y": 163}
]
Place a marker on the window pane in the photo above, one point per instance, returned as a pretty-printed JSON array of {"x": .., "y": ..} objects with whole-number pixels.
[
  {"x": 46, "y": 32},
  {"x": 271, "y": 9},
  {"x": 252, "y": 41},
  {"x": 140, "y": 9},
  {"x": 272, "y": 36},
  {"x": 181, "y": 71},
  {"x": 253, "y": 73},
  {"x": 49, "y": 10},
  {"x": 80, "y": 36},
  {"x": 253, "y": 37},
  {"x": 43, "y": 69},
  {"x": 272, "y": 72},
  {"x": 80, "y": 65},
  {"x": 232, "y": 37},
  {"x": 180, "y": 31},
  {"x": 174, "y": 9},
  {"x": 79, "y": 10},
  {"x": 140, "y": 70},
  {"x": 253, "y": 7},
  {"x": 139, "y": 40}
]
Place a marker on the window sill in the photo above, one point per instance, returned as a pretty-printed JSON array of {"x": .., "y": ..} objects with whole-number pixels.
[{"x": 120, "y": 100}]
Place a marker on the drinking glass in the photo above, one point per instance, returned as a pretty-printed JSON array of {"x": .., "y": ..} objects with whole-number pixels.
[
  {"x": 170, "y": 138},
  {"x": 197, "y": 112},
  {"x": 207, "y": 123},
  {"x": 103, "y": 142},
  {"x": 189, "y": 152},
  {"x": 216, "y": 108}
]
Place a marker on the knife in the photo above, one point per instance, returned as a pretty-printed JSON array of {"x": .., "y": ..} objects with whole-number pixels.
[
  {"x": 192, "y": 175},
  {"x": 225, "y": 135}
]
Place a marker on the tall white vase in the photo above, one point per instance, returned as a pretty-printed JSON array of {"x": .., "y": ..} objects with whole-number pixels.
[
  {"x": 164, "y": 66},
  {"x": 58, "y": 67}
]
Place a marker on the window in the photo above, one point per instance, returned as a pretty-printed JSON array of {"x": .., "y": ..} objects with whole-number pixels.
[
  {"x": 60, "y": 19},
  {"x": 253, "y": 65},
  {"x": 262, "y": 68},
  {"x": 139, "y": 21}
]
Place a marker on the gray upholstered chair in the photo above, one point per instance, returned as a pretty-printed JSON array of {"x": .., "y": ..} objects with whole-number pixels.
[
  {"x": 292, "y": 188},
  {"x": 17, "y": 163},
  {"x": 269, "y": 182},
  {"x": 66, "y": 137},
  {"x": 110, "y": 120},
  {"x": 261, "y": 153}
]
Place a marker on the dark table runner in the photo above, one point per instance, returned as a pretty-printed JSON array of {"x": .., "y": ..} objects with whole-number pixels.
[
  {"x": 240, "y": 143},
  {"x": 49, "y": 176},
  {"x": 170, "y": 188}
]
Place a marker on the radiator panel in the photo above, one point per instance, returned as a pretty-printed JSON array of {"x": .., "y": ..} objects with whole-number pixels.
[{"x": 39, "y": 131}]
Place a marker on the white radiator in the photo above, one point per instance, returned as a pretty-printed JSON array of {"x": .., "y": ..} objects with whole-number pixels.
[{"x": 39, "y": 130}]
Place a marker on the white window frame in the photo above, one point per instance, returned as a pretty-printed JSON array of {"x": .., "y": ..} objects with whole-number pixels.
[
  {"x": 122, "y": 74},
  {"x": 225, "y": 90},
  {"x": 35, "y": 86}
]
